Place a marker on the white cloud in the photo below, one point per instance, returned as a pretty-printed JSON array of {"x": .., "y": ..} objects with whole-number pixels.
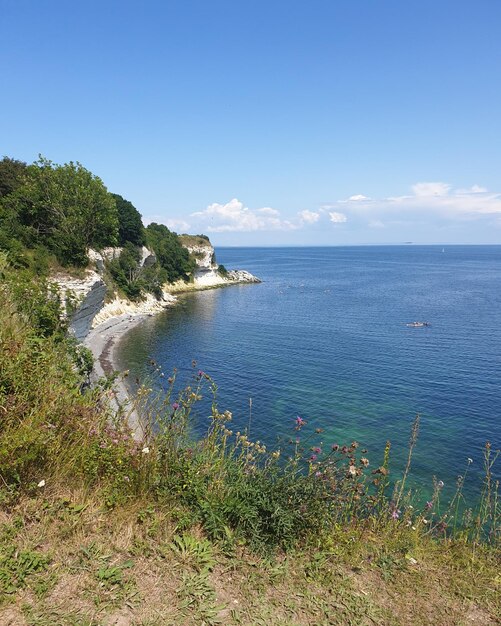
[
  {"x": 358, "y": 197},
  {"x": 376, "y": 224},
  {"x": 473, "y": 189},
  {"x": 268, "y": 211},
  {"x": 234, "y": 216},
  {"x": 425, "y": 190},
  {"x": 428, "y": 199},
  {"x": 309, "y": 217},
  {"x": 337, "y": 218}
]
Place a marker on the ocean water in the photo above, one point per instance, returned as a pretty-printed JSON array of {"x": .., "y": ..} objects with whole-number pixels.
[{"x": 325, "y": 337}]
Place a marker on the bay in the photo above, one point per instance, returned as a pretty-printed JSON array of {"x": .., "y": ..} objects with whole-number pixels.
[{"x": 325, "y": 337}]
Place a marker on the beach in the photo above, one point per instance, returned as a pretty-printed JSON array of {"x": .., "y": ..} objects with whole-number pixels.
[{"x": 102, "y": 341}]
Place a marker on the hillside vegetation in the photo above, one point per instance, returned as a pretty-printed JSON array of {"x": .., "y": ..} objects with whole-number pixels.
[{"x": 50, "y": 215}]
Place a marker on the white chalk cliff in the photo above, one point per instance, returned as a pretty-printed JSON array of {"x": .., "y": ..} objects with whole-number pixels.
[
  {"x": 84, "y": 297},
  {"x": 207, "y": 273}
]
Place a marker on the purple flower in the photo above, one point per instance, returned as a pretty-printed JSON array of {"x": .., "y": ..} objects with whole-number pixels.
[
  {"x": 317, "y": 450},
  {"x": 200, "y": 373},
  {"x": 395, "y": 514},
  {"x": 175, "y": 406},
  {"x": 313, "y": 457},
  {"x": 318, "y": 474},
  {"x": 300, "y": 422},
  {"x": 335, "y": 447},
  {"x": 429, "y": 505}
]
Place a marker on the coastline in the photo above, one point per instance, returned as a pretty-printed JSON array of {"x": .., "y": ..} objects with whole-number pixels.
[
  {"x": 102, "y": 342},
  {"x": 103, "y": 339}
]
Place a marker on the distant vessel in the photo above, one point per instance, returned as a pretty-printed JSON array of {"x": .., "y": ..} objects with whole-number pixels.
[{"x": 418, "y": 324}]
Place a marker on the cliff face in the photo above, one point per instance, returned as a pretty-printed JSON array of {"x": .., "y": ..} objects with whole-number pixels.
[
  {"x": 84, "y": 298},
  {"x": 207, "y": 272}
]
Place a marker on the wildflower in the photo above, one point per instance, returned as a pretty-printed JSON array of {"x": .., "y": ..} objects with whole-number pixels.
[
  {"x": 170, "y": 380},
  {"x": 440, "y": 484},
  {"x": 41, "y": 483},
  {"x": 335, "y": 447},
  {"x": 352, "y": 470},
  {"x": 429, "y": 505},
  {"x": 395, "y": 515},
  {"x": 300, "y": 422},
  {"x": 354, "y": 444},
  {"x": 319, "y": 430},
  {"x": 175, "y": 406},
  {"x": 317, "y": 450},
  {"x": 145, "y": 450},
  {"x": 127, "y": 479},
  {"x": 469, "y": 460},
  {"x": 364, "y": 461},
  {"x": 275, "y": 454},
  {"x": 318, "y": 474},
  {"x": 313, "y": 457},
  {"x": 200, "y": 373}
]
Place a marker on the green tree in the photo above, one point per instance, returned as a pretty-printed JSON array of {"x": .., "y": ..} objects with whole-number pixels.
[
  {"x": 171, "y": 255},
  {"x": 66, "y": 208},
  {"x": 130, "y": 225},
  {"x": 12, "y": 173}
]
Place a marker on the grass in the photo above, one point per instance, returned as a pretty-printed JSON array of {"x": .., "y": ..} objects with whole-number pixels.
[{"x": 98, "y": 528}]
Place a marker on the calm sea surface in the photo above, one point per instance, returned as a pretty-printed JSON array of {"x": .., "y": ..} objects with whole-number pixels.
[{"x": 325, "y": 337}]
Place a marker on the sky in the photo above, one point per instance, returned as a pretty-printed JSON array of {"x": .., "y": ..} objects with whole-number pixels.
[{"x": 278, "y": 122}]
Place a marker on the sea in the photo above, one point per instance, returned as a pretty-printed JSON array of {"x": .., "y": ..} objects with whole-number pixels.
[{"x": 325, "y": 336}]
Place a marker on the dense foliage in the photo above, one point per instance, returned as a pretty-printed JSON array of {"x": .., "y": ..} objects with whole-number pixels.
[
  {"x": 171, "y": 255},
  {"x": 52, "y": 214},
  {"x": 130, "y": 225},
  {"x": 63, "y": 207}
]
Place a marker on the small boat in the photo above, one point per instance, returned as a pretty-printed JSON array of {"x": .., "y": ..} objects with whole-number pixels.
[{"x": 418, "y": 324}]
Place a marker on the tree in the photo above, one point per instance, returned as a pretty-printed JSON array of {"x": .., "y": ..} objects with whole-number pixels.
[
  {"x": 66, "y": 208},
  {"x": 12, "y": 173},
  {"x": 170, "y": 254},
  {"x": 130, "y": 225}
]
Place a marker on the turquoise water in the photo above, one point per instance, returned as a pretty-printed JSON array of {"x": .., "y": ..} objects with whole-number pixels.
[{"x": 325, "y": 337}]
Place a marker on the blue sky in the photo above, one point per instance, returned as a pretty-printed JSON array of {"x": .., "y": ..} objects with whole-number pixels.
[{"x": 319, "y": 122}]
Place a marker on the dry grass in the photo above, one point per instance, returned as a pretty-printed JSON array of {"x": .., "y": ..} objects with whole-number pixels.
[{"x": 122, "y": 568}]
